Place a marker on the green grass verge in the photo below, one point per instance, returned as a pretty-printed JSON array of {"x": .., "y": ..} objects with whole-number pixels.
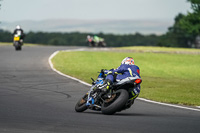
[
  {"x": 10, "y": 43},
  {"x": 170, "y": 78},
  {"x": 160, "y": 49},
  {"x": 5, "y": 43}
]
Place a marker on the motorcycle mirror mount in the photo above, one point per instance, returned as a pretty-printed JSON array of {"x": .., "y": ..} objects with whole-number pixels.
[{"x": 93, "y": 81}]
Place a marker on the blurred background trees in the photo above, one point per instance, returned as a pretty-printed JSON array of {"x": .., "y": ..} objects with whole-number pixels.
[
  {"x": 185, "y": 32},
  {"x": 186, "y": 29}
]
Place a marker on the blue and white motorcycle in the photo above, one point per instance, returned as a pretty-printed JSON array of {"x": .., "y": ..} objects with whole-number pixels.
[{"x": 117, "y": 99}]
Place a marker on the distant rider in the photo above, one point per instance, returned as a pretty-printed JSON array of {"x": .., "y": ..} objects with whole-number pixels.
[
  {"x": 90, "y": 41},
  {"x": 98, "y": 41},
  {"x": 19, "y": 31},
  {"x": 126, "y": 69}
]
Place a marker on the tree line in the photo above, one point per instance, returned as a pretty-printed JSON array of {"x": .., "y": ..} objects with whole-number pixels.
[
  {"x": 185, "y": 32},
  {"x": 79, "y": 39}
]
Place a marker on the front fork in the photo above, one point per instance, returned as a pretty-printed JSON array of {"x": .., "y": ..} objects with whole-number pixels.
[{"x": 91, "y": 98}]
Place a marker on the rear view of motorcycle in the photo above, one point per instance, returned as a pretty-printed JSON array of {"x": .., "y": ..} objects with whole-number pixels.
[
  {"x": 117, "y": 99},
  {"x": 17, "y": 41}
]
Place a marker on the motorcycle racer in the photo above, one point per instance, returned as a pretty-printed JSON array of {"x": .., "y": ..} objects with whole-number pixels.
[
  {"x": 18, "y": 30},
  {"x": 114, "y": 90},
  {"x": 125, "y": 70}
]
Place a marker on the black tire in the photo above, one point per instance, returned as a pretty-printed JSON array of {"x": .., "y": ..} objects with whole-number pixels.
[
  {"x": 81, "y": 106},
  {"x": 17, "y": 48},
  {"x": 15, "y": 44},
  {"x": 20, "y": 48},
  {"x": 117, "y": 103}
]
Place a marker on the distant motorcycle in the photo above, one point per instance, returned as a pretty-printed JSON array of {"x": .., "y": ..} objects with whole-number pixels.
[
  {"x": 94, "y": 43},
  {"x": 101, "y": 44},
  {"x": 17, "y": 41},
  {"x": 117, "y": 99},
  {"x": 91, "y": 42}
]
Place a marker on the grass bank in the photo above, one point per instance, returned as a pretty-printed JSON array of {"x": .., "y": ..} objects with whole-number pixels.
[
  {"x": 5, "y": 43},
  {"x": 161, "y": 49},
  {"x": 170, "y": 78},
  {"x": 10, "y": 43}
]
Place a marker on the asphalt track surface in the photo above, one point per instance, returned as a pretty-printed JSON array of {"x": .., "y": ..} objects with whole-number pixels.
[{"x": 35, "y": 99}]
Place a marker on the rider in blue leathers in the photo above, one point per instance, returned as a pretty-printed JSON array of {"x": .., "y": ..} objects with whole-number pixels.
[{"x": 126, "y": 69}]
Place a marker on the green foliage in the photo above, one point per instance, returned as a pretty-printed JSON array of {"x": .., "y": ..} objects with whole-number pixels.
[
  {"x": 79, "y": 39},
  {"x": 5, "y": 36},
  {"x": 185, "y": 29},
  {"x": 191, "y": 24},
  {"x": 176, "y": 36},
  {"x": 183, "y": 33},
  {"x": 195, "y": 5}
]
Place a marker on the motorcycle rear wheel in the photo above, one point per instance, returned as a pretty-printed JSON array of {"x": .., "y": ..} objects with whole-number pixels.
[
  {"x": 81, "y": 104},
  {"x": 18, "y": 47},
  {"x": 110, "y": 107}
]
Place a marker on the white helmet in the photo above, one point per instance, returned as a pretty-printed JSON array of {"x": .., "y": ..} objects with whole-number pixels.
[
  {"x": 88, "y": 36},
  {"x": 128, "y": 61},
  {"x": 18, "y": 27}
]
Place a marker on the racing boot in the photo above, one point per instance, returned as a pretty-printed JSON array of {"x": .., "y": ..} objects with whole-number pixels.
[{"x": 106, "y": 85}]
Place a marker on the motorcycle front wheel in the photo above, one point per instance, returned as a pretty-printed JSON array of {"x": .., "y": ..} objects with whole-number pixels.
[
  {"x": 81, "y": 104},
  {"x": 115, "y": 102}
]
